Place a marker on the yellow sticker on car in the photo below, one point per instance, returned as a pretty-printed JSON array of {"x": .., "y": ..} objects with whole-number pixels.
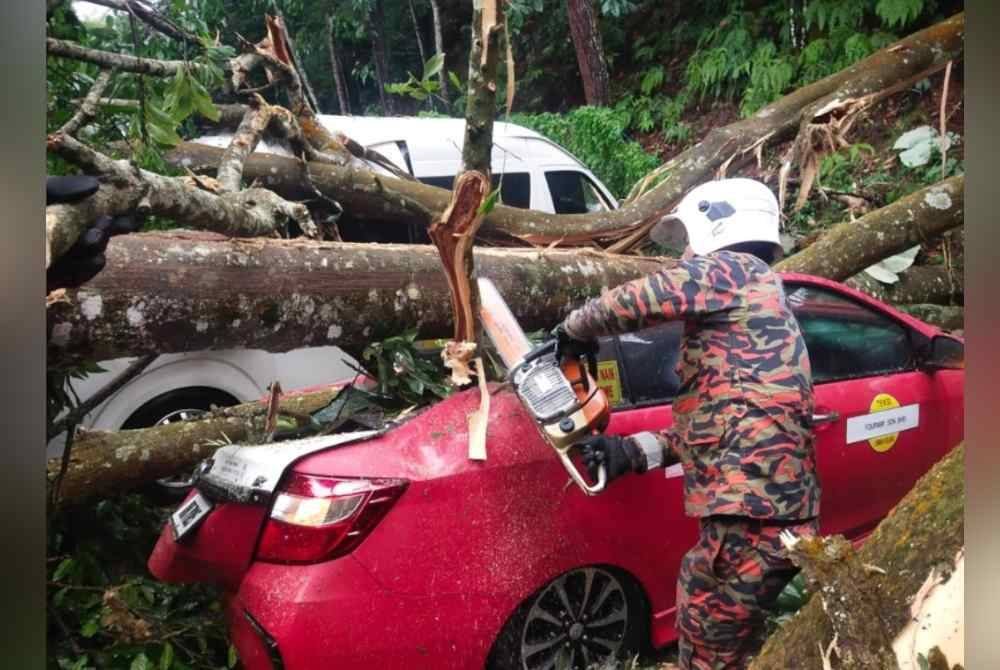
[
  {"x": 882, "y": 426},
  {"x": 610, "y": 381}
]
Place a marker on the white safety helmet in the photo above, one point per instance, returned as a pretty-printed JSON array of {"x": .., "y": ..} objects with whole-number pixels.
[{"x": 720, "y": 213}]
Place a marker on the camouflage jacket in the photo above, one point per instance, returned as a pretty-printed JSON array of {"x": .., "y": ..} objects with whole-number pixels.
[{"x": 741, "y": 416}]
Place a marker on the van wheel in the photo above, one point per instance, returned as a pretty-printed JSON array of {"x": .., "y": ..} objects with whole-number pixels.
[
  {"x": 578, "y": 620},
  {"x": 170, "y": 407}
]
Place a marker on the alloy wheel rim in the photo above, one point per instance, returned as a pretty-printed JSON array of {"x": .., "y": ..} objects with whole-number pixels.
[
  {"x": 579, "y": 620},
  {"x": 178, "y": 481}
]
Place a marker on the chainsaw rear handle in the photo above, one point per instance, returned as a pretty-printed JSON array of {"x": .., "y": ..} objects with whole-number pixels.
[{"x": 574, "y": 474}]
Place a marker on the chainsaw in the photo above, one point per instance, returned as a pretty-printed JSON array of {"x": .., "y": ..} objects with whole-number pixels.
[{"x": 561, "y": 396}]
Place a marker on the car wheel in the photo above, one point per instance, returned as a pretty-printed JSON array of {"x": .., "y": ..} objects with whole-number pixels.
[
  {"x": 578, "y": 620},
  {"x": 170, "y": 407}
]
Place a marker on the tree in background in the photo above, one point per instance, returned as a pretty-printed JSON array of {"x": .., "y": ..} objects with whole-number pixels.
[{"x": 589, "y": 51}]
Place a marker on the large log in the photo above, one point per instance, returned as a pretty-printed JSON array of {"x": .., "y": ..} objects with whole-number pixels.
[
  {"x": 189, "y": 291},
  {"x": 923, "y": 533},
  {"x": 920, "y": 284},
  {"x": 850, "y": 247},
  {"x": 367, "y": 197},
  {"x": 103, "y": 463}
]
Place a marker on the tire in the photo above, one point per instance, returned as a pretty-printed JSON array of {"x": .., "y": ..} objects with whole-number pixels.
[
  {"x": 178, "y": 405},
  {"x": 608, "y": 619}
]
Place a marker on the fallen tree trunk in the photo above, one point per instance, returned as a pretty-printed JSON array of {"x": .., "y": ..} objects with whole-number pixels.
[
  {"x": 919, "y": 284},
  {"x": 850, "y": 247},
  {"x": 370, "y": 197},
  {"x": 103, "y": 463},
  {"x": 949, "y": 317},
  {"x": 922, "y": 534},
  {"x": 189, "y": 291}
]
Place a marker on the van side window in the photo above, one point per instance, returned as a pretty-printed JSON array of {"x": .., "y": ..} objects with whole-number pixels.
[
  {"x": 573, "y": 193},
  {"x": 515, "y": 192}
]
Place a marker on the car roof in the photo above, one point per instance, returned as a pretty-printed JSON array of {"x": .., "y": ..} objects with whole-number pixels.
[{"x": 439, "y": 139}]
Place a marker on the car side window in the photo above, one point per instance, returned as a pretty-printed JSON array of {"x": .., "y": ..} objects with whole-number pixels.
[
  {"x": 573, "y": 193},
  {"x": 637, "y": 369},
  {"x": 846, "y": 339},
  {"x": 515, "y": 189}
]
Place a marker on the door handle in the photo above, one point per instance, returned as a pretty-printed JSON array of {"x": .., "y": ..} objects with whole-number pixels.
[{"x": 828, "y": 417}]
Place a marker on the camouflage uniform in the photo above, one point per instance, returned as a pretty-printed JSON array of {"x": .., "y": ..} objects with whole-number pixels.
[{"x": 740, "y": 432}]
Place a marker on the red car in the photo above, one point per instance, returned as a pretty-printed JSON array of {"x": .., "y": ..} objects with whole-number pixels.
[{"x": 394, "y": 550}]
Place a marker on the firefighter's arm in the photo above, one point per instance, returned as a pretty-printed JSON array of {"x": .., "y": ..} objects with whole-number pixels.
[{"x": 683, "y": 290}]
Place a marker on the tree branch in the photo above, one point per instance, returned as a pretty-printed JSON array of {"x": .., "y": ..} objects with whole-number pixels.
[
  {"x": 128, "y": 189},
  {"x": 244, "y": 141},
  {"x": 850, "y": 247},
  {"x": 109, "y": 60},
  {"x": 88, "y": 108}
]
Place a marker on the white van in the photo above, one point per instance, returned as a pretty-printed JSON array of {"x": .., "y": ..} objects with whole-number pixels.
[{"x": 536, "y": 174}]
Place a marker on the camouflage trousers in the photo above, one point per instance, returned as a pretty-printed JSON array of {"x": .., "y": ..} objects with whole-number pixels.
[{"x": 727, "y": 582}]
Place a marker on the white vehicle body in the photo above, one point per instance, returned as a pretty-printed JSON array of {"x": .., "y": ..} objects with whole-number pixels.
[{"x": 537, "y": 174}]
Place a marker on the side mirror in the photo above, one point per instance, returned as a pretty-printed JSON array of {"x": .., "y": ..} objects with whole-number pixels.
[{"x": 944, "y": 353}]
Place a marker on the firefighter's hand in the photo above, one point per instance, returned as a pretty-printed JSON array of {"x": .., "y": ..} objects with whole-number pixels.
[
  {"x": 617, "y": 455},
  {"x": 568, "y": 346},
  {"x": 86, "y": 257}
]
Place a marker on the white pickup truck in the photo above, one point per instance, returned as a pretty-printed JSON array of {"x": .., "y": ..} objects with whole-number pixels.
[{"x": 536, "y": 174}]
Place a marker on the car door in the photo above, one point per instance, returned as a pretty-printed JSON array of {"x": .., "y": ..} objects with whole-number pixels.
[{"x": 876, "y": 413}]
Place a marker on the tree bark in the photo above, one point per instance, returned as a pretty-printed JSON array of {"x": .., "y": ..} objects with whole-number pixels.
[
  {"x": 942, "y": 316},
  {"x": 152, "y": 18},
  {"x": 189, "y": 291},
  {"x": 439, "y": 48},
  {"x": 589, "y": 52},
  {"x": 480, "y": 106},
  {"x": 919, "y": 284},
  {"x": 776, "y": 122},
  {"x": 107, "y": 462},
  {"x": 924, "y": 532},
  {"x": 850, "y": 247},
  {"x": 343, "y": 99},
  {"x": 380, "y": 54}
]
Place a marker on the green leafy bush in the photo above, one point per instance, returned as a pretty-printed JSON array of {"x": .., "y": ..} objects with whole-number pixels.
[{"x": 596, "y": 136}]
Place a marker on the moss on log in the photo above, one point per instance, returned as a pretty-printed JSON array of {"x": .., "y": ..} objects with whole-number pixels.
[{"x": 924, "y": 532}]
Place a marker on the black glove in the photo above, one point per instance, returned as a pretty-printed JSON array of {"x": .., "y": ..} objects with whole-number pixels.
[
  {"x": 618, "y": 455},
  {"x": 86, "y": 257},
  {"x": 568, "y": 346}
]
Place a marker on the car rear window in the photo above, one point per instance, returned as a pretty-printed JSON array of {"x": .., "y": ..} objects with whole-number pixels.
[
  {"x": 846, "y": 339},
  {"x": 515, "y": 190}
]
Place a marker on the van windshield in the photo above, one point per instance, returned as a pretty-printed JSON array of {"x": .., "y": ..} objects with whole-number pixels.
[
  {"x": 515, "y": 192},
  {"x": 573, "y": 193}
]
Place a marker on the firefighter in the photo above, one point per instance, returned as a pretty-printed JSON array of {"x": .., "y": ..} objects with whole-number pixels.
[{"x": 741, "y": 416}]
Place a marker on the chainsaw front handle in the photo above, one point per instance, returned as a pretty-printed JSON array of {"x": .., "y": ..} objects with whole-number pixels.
[{"x": 574, "y": 474}]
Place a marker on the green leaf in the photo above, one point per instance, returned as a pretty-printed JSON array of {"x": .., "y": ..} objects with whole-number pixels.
[
  {"x": 455, "y": 81},
  {"x": 141, "y": 662},
  {"x": 433, "y": 65},
  {"x": 64, "y": 568},
  {"x": 489, "y": 203},
  {"x": 91, "y": 626},
  {"x": 166, "y": 657},
  {"x": 232, "y": 658},
  {"x": 202, "y": 101}
]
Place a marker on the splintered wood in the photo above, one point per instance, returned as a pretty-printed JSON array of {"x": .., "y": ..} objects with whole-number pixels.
[{"x": 453, "y": 235}]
